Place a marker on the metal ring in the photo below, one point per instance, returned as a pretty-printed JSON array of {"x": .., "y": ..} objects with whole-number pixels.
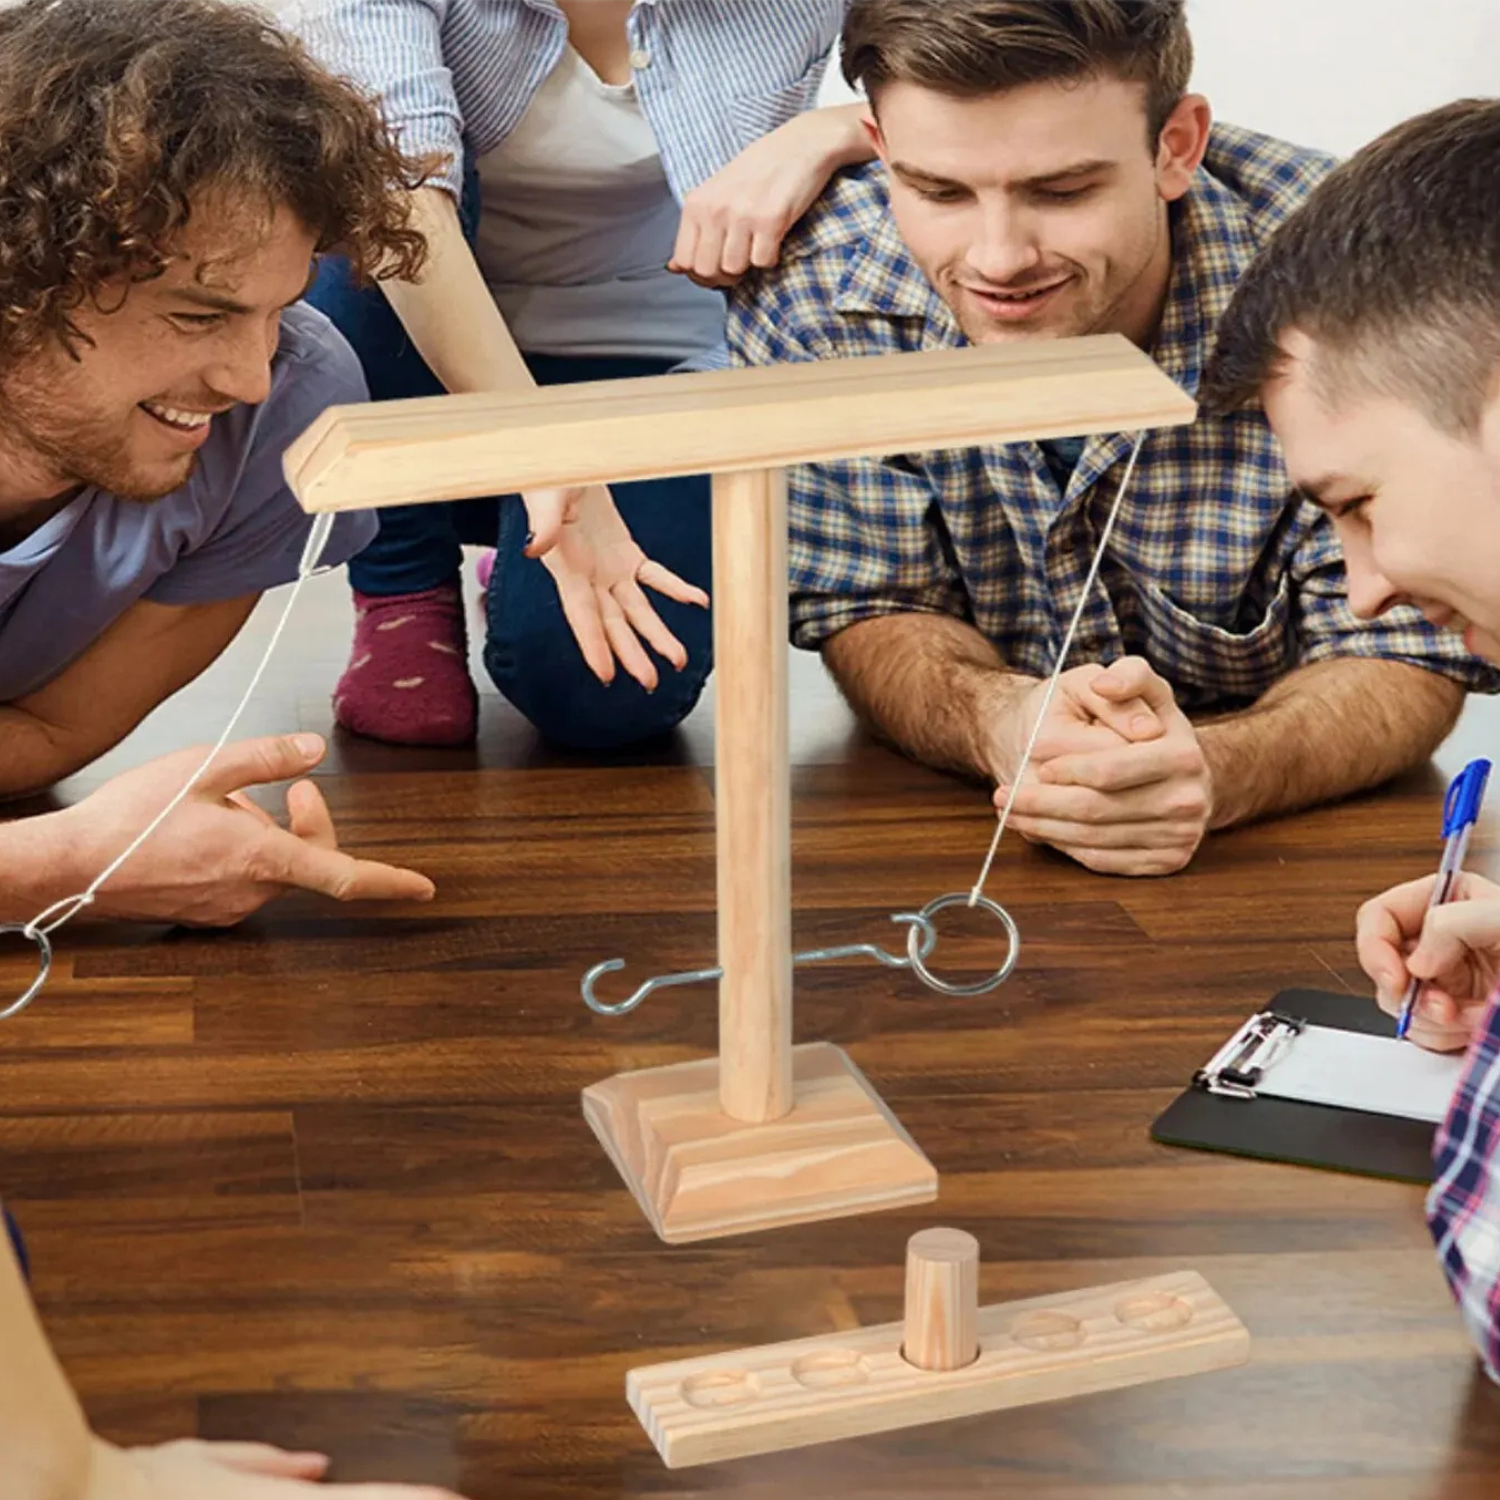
[
  {"x": 980, "y": 986},
  {"x": 44, "y": 947}
]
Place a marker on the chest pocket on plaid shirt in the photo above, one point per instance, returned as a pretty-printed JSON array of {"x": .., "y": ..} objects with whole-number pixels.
[{"x": 1207, "y": 664}]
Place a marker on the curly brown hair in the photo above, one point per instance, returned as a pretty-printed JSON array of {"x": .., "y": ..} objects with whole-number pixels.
[{"x": 117, "y": 116}]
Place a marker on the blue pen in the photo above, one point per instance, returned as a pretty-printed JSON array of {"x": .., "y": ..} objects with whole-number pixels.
[{"x": 1460, "y": 810}]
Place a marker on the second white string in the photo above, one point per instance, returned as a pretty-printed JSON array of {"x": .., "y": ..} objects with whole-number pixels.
[{"x": 1057, "y": 670}]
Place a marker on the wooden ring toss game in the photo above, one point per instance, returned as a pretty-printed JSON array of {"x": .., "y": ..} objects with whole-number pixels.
[
  {"x": 948, "y": 1358},
  {"x": 766, "y": 1133}
]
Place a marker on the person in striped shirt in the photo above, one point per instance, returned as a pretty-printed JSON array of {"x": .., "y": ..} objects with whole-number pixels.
[
  {"x": 611, "y": 166},
  {"x": 1369, "y": 330}
]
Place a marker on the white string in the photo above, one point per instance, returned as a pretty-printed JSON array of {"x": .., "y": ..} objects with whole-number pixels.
[
  {"x": 1057, "y": 670},
  {"x": 48, "y": 921}
]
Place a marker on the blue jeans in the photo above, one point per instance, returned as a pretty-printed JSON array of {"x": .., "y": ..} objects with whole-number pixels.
[{"x": 529, "y": 649}]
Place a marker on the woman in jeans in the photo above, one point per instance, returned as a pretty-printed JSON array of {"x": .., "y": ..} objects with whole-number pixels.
[{"x": 609, "y": 165}]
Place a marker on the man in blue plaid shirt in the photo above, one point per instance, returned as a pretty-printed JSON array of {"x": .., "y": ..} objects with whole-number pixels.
[
  {"x": 1371, "y": 332},
  {"x": 1043, "y": 173}
]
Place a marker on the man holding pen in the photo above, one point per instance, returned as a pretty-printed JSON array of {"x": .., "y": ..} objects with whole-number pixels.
[{"x": 1370, "y": 331}]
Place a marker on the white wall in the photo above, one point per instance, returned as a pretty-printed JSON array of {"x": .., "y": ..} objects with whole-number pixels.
[{"x": 1334, "y": 73}]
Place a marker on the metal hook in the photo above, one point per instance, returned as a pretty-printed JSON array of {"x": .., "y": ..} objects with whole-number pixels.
[
  {"x": 44, "y": 947},
  {"x": 921, "y": 936},
  {"x": 917, "y": 958}
]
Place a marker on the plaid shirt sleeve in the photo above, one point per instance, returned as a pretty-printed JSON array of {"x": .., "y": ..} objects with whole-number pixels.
[
  {"x": 1463, "y": 1208},
  {"x": 865, "y": 538},
  {"x": 1328, "y": 628}
]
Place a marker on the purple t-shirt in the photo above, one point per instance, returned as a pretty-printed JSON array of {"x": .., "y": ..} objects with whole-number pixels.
[{"x": 233, "y": 529}]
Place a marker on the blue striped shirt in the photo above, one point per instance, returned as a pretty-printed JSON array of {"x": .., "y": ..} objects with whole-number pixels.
[
  {"x": 1218, "y": 573},
  {"x": 712, "y": 76}
]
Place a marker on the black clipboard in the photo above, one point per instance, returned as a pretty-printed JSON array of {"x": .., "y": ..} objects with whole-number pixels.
[{"x": 1309, "y": 1135}]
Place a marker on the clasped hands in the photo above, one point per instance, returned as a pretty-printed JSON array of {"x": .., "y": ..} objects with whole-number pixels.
[{"x": 1118, "y": 779}]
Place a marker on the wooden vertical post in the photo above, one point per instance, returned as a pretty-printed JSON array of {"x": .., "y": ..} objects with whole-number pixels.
[
  {"x": 942, "y": 1300},
  {"x": 753, "y": 794}
]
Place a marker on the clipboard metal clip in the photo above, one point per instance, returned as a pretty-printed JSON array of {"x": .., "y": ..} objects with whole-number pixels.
[{"x": 1237, "y": 1067}]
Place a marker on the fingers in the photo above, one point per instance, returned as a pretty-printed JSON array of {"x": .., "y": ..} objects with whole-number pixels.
[
  {"x": 649, "y": 625},
  {"x": 1156, "y": 836},
  {"x": 254, "y": 762},
  {"x": 330, "y": 872},
  {"x": 1129, "y": 766},
  {"x": 1383, "y": 931},
  {"x": 580, "y": 607},
  {"x": 1129, "y": 715},
  {"x": 1134, "y": 677},
  {"x": 253, "y": 1458},
  {"x": 652, "y": 575},
  {"x": 734, "y": 255},
  {"x": 1444, "y": 1027},
  {"x": 1452, "y": 933},
  {"x": 625, "y": 644},
  {"x": 547, "y": 511},
  {"x": 309, "y": 817},
  {"x": 708, "y": 253},
  {"x": 1181, "y": 800},
  {"x": 765, "y": 245},
  {"x": 685, "y": 250}
]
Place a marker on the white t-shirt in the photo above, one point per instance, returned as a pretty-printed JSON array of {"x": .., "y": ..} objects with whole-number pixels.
[{"x": 577, "y": 224}]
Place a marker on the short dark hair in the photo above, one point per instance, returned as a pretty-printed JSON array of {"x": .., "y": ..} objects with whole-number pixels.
[
  {"x": 1392, "y": 268},
  {"x": 970, "y": 48},
  {"x": 115, "y": 115}
]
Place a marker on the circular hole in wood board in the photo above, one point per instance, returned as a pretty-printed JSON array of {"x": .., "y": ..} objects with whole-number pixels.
[
  {"x": 829, "y": 1368},
  {"x": 719, "y": 1388},
  {"x": 1154, "y": 1312},
  {"x": 1047, "y": 1331}
]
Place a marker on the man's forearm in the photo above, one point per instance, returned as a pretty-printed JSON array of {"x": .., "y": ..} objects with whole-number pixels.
[
  {"x": 931, "y": 685},
  {"x": 450, "y": 314},
  {"x": 45, "y": 1448},
  {"x": 38, "y": 865},
  {"x": 33, "y": 753},
  {"x": 1324, "y": 732}
]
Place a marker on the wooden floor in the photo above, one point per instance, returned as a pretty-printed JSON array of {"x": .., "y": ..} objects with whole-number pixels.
[{"x": 324, "y": 1179}]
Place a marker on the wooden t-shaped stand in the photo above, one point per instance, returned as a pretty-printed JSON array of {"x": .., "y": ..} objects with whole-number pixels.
[{"x": 766, "y": 1133}]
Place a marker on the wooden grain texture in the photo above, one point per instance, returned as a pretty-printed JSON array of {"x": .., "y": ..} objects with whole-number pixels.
[
  {"x": 605, "y": 432},
  {"x": 699, "y": 1173},
  {"x": 942, "y": 1300},
  {"x": 752, "y": 790},
  {"x": 856, "y": 1382},
  {"x": 323, "y": 1179}
]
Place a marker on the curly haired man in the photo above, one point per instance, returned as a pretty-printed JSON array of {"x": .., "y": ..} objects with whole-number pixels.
[{"x": 169, "y": 169}]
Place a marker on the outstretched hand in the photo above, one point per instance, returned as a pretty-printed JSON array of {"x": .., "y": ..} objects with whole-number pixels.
[
  {"x": 219, "y": 856},
  {"x": 601, "y": 575}
]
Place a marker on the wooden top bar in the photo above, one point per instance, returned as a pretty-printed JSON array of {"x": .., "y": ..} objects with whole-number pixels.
[{"x": 607, "y": 432}]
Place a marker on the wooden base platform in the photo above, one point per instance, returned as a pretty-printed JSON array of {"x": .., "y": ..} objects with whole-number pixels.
[
  {"x": 845, "y": 1385},
  {"x": 699, "y": 1174}
]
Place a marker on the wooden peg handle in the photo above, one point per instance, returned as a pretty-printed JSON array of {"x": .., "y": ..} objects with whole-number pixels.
[{"x": 942, "y": 1300}]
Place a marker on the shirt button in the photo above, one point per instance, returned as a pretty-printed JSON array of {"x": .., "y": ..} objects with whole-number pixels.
[{"x": 640, "y": 58}]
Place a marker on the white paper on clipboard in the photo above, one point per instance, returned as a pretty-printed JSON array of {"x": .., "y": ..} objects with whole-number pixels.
[{"x": 1377, "y": 1074}]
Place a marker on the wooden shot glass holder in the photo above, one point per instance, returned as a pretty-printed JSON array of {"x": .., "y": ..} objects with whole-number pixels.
[
  {"x": 948, "y": 1358},
  {"x": 766, "y": 1133}
]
